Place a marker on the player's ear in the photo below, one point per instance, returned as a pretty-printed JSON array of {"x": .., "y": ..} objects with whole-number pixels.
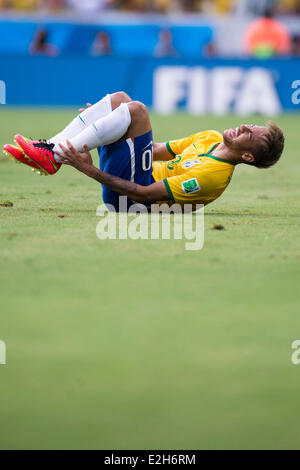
[{"x": 248, "y": 157}]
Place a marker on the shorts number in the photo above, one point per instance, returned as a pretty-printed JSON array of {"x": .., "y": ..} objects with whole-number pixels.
[{"x": 147, "y": 160}]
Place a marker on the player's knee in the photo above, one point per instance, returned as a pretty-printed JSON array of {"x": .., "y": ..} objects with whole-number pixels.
[
  {"x": 121, "y": 97},
  {"x": 138, "y": 110}
]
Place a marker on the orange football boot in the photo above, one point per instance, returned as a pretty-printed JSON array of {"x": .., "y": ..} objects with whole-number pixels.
[{"x": 39, "y": 152}]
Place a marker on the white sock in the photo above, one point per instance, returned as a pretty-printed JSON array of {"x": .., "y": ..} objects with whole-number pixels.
[
  {"x": 84, "y": 119},
  {"x": 104, "y": 131}
]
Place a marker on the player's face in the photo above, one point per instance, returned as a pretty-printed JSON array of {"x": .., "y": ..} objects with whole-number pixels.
[{"x": 246, "y": 137}]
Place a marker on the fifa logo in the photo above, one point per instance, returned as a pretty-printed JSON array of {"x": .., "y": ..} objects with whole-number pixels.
[
  {"x": 2, "y": 352},
  {"x": 2, "y": 92}
]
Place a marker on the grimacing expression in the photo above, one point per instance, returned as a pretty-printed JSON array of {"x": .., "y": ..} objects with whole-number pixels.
[{"x": 245, "y": 138}]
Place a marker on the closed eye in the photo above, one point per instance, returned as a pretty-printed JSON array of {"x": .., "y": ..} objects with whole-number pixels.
[{"x": 249, "y": 129}]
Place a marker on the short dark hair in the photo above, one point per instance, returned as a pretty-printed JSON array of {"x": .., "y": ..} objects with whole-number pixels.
[{"x": 271, "y": 147}]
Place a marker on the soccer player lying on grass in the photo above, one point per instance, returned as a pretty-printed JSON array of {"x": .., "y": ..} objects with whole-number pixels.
[{"x": 193, "y": 170}]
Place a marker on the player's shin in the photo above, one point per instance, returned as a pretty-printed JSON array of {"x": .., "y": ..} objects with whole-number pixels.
[
  {"x": 104, "y": 131},
  {"x": 98, "y": 110}
]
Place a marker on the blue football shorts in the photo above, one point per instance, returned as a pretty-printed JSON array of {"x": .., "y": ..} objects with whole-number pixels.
[{"x": 130, "y": 160}]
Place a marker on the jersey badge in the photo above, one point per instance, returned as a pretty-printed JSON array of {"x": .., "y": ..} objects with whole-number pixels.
[{"x": 190, "y": 186}]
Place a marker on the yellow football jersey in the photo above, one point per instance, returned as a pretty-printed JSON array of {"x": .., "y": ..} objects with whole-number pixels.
[{"x": 194, "y": 176}]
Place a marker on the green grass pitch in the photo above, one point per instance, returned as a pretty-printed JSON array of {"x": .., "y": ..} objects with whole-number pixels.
[{"x": 141, "y": 344}]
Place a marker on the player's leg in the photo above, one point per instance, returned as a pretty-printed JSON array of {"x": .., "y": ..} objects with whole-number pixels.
[
  {"x": 140, "y": 120},
  {"x": 98, "y": 110},
  {"x": 128, "y": 119},
  {"x": 105, "y": 130}
]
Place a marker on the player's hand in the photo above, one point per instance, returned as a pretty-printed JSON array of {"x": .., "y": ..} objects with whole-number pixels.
[
  {"x": 83, "y": 109},
  {"x": 82, "y": 161}
]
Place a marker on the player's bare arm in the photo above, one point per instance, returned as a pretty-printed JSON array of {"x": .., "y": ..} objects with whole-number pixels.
[
  {"x": 161, "y": 152},
  {"x": 83, "y": 162}
]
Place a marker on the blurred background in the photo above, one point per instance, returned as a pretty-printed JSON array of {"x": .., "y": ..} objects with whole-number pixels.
[{"x": 229, "y": 55}]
